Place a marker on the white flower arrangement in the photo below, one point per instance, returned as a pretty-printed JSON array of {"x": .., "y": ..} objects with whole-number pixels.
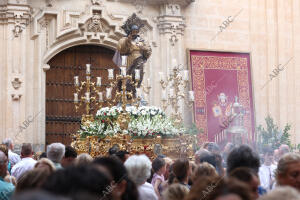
[{"x": 146, "y": 121}]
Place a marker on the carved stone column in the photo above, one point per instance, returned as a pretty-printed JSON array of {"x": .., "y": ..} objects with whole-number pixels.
[
  {"x": 171, "y": 25},
  {"x": 14, "y": 21}
]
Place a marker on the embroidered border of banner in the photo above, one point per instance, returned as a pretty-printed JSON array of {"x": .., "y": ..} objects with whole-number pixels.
[{"x": 237, "y": 62}]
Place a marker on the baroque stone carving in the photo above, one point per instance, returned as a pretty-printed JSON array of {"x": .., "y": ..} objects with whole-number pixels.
[
  {"x": 16, "y": 83},
  {"x": 97, "y": 2},
  {"x": 49, "y": 3},
  {"x": 139, "y": 6},
  {"x": 95, "y": 25},
  {"x": 171, "y": 22}
]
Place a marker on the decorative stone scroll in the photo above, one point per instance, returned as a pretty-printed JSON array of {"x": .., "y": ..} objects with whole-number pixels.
[{"x": 171, "y": 22}]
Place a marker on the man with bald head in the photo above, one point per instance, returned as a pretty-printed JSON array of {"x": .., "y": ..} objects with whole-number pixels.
[{"x": 6, "y": 189}]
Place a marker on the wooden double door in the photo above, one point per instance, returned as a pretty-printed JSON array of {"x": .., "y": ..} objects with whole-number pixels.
[{"x": 61, "y": 119}]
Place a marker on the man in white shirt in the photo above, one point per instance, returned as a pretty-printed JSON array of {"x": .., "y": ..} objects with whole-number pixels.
[
  {"x": 12, "y": 157},
  {"x": 267, "y": 170},
  {"x": 27, "y": 163}
]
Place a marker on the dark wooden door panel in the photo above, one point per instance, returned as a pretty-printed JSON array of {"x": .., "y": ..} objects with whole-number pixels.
[{"x": 61, "y": 119}]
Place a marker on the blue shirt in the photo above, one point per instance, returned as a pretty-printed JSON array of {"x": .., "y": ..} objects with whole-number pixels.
[
  {"x": 261, "y": 191},
  {"x": 6, "y": 189}
]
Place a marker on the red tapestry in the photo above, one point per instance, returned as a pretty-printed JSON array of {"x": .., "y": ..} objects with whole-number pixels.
[{"x": 219, "y": 79}]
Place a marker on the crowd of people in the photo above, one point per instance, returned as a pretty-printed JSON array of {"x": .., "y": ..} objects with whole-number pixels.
[{"x": 236, "y": 173}]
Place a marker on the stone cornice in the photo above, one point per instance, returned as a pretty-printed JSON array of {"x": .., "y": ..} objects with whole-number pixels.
[{"x": 160, "y": 2}]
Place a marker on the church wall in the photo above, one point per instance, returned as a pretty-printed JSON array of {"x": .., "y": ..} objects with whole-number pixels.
[{"x": 268, "y": 31}]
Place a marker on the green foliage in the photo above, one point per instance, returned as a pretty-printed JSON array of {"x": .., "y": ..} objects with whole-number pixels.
[
  {"x": 193, "y": 130},
  {"x": 272, "y": 136}
]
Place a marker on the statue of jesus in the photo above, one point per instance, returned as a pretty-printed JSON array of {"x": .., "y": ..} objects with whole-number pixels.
[{"x": 133, "y": 46}]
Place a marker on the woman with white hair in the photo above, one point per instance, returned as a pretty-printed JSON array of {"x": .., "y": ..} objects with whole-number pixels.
[
  {"x": 83, "y": 159},
  {"x": 288, "y": 171},
  {"x": 139, "y": 170},
  {"x": 55, "y": 152},
  {"x": 281, "y": 193}
]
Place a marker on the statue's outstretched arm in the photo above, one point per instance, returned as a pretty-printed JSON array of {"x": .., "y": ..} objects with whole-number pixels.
[{"x": 124, "y": 46}]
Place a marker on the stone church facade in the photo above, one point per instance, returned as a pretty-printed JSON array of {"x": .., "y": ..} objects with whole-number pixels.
[{"x": 32, "y": 32}]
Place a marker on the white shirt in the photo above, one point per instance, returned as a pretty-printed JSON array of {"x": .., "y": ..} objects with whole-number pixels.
[
  {"x": 13, "y": 158},
  {"x": 146, "y": 192},
  {"x": 267, "y": 175},
  {"x": 23, "y": 166}
]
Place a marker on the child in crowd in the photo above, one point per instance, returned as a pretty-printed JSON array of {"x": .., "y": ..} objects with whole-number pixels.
[{"x": 159, "y": 168}]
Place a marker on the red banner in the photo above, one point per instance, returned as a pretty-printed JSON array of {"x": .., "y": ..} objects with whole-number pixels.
[{"x": 219, "y": 81}]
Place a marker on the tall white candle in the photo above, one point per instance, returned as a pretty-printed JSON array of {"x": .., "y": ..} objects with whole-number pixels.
[
  {"x": 100, "y": 94},
  {"x": 164, "y": 95},
  {"x": 137, "y": 74},
  {"x": 98, "y": 84},
  {"x": 76, "y": 81},
  {"x": 110, "y": 74},
  {"x": 191, "y": 95},
  {"x": 124, "y": 60},
  {"x": 88, "y": 78},
  {"x": 76, "y": 98},
  {"x": 87, "y": 97},
  {"x": 171, "y": 93},
  {"x": 108, "y": 93},
  {"x": 123, "y": 71},
  {"x": 161, "y": 76},
  {"x": 174, "y": 63},
  {"x": 138, "y": 92},
  {"x": 148, "y": 82},
  {"x": 185, "y": 75},
  {"x": 88, "y": 68}
]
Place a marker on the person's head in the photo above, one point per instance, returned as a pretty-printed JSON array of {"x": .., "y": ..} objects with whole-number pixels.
[
  {"x": 113, "y": 150},
  {"x": 32, "y": 179},
  {"x": 175, "y": 192},
  {"x": 213, "y": 147},
  {"x": 159, "y": 166},
  {"x": 37, "y": 195},
  {"x": 181, "y": 170},
  {"x": 203, "y": 155},
  {"x": 276, "y": 155},
  {"x": 26, "y": 150},
  {"x": 3, "y": 164},
  {"x": 283, "y": 149},
  {"x": 76, "y": 180},
  {"x": 70, "y": 156},
  {"x": 288, "y": 171},
  {"x": 43, "y": 155},
  {"x": 83, "y": 159},
  {"x": 249, "y": 177},
  {"x": 217, "y": 188},
  {"x": 228, "y": 148},
  {"x": 55, "y": 152},
  {"x": 169, "y": 162},
  {"x": 4, "y": 149},
  {"x": 122, "y": 155},
  {"x": 204, "y": 170},
  {"x": 280, "y": 193},
  {"x": 46, "y": 164},
  {"x": 124, "y": 189},
  {"x": 138, "y": 168},
  {"x": 243, "y": 156},
  {"x": 268, "y": 156},
  {"x": 9, "y": 143}
]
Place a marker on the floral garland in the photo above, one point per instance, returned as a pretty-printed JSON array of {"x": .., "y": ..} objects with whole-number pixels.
[{"x": 145, "y": 121}]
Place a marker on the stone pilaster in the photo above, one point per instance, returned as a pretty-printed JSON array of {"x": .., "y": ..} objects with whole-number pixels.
[{"x": 171, "y": 26}]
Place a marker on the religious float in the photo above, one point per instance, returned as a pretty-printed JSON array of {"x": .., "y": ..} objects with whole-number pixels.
[{"x": 122, "y": 121}]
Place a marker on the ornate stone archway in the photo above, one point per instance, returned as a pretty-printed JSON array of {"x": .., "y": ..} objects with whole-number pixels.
[{"x": 96, "y": 27}]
